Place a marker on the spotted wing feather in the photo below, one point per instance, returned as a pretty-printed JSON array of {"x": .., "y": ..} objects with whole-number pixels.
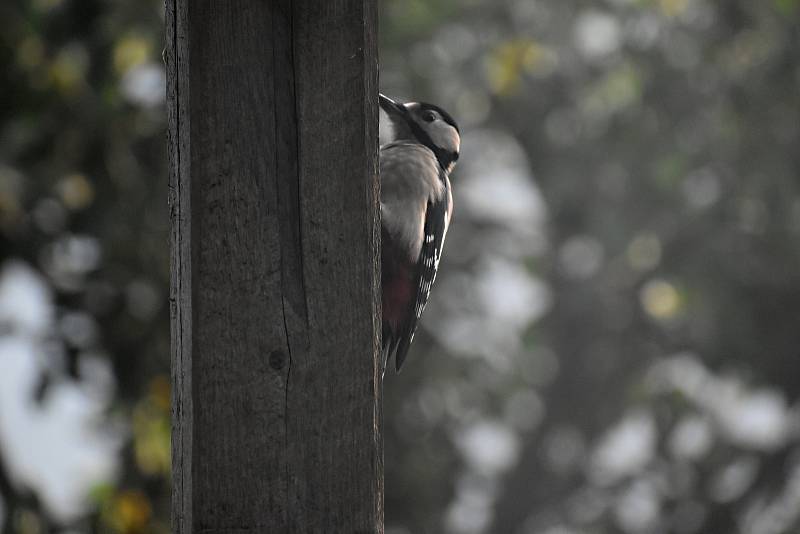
[{"x": 437, "y": 217}]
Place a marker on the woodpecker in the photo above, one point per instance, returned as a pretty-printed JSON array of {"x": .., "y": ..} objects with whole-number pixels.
[{"x": 416, "y": 205}]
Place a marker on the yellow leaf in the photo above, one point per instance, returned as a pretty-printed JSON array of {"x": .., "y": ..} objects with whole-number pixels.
[
  {"x": 131, "y": 51},
  {"x": 76, "y": 191},
  {"x": 509, "y": 61}
]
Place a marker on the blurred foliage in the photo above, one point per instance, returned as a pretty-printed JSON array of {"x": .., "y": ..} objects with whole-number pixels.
[
  {"x": 82, "y": 198},
  {"x": 662, "y": 135},
  {"x": 619, "y": 357}
]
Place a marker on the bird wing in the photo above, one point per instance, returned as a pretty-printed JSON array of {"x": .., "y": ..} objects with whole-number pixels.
[{"x": 437, "y": 219}]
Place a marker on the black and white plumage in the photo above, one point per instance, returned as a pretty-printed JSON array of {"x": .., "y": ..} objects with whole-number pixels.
[{"x": 416, "y": 206}]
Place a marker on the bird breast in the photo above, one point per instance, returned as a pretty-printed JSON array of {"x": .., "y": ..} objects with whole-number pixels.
[{"x": 410, "y": 179}]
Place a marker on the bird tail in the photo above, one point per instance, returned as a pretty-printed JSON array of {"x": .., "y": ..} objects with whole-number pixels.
[
  {"x": 401, "y": 351},
  {"x": 390, "y": 345}
]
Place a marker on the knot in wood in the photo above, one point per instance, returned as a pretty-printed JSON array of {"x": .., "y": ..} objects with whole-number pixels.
[{"x": 277, "y": 359}]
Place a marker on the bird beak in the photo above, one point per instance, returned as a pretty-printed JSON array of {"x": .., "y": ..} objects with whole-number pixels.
[{"x": 392, "y": 108}]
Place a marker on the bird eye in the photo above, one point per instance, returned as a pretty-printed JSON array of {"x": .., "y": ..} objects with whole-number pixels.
[{"x": 429, "y": 116}]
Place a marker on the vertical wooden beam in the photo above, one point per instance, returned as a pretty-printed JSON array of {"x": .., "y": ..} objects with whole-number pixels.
[{"x": 272, "y": 110}]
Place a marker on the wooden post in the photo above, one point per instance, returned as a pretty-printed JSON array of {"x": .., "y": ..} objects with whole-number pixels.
[{"x": 272, "y": 108}]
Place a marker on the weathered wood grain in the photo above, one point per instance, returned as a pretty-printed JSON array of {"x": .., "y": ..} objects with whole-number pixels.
[{"x": 272, "y": 109}]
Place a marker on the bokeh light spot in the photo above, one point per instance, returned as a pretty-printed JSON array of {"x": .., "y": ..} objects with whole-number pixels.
[{"x": 660, "y": 299}]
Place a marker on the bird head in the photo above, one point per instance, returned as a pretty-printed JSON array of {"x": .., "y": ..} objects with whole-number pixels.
[{"x": 426, "y": 124}]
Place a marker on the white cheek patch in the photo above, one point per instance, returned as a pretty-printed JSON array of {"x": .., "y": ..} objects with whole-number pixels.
[{"x": 445, "y": 136}]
